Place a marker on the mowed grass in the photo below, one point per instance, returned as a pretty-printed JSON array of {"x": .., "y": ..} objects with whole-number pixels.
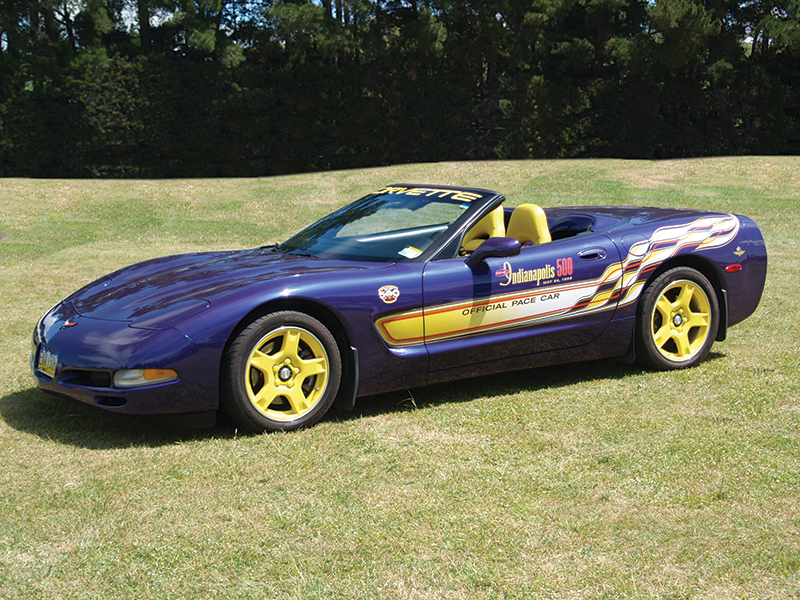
[{"x": 593, "y": 480}]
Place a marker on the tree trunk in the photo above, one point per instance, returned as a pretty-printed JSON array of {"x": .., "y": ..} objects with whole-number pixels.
[{"x": 144, "y": 25}]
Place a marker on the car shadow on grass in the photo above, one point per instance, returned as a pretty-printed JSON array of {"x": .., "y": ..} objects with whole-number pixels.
[
  {"x": 70, "y": 422},
  {"x": 501, "y": 384}
]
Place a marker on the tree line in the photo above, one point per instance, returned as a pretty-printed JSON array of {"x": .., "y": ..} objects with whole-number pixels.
[{"x": 184, "y": 88}]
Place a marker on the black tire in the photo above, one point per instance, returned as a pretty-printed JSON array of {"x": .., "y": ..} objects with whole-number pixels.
[
  {"x": 281, "y": 373},
  {"x": 677, "y": 320}
]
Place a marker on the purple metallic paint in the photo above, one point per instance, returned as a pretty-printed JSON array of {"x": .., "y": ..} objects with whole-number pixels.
[
  {"x": 746, "y": 286},
  {"x": 99, "y": 345},
  {"x": 180, "y": 312},
  {"x": 449, "y": 281}
]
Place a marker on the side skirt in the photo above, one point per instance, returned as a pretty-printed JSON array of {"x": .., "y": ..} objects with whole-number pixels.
[{"x": 614, "y": 343}]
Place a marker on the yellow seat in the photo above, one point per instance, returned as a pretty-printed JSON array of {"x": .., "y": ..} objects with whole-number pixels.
[
  {"x": 529, "y": 224},
  {"x": 491, "y": 225}
]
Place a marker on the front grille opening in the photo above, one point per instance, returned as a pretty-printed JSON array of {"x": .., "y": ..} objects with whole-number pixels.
[{"x": 86, "y": 378}]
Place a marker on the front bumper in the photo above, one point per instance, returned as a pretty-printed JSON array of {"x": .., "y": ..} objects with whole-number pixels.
[{"x": 85, "y": 353}]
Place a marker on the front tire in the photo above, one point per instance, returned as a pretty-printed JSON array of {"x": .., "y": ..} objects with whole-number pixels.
[
  {"x": 677, "y": 320},
  {"x": 282, "y": 372}
]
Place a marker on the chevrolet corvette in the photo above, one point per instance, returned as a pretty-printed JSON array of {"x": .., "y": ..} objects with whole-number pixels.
[{"x": 410, "y": 285}]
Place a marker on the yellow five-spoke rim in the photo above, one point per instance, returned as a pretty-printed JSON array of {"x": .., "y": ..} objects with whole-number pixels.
[
  {"x": 681, "y": 320},
  {"x": 287, "y": 373}
]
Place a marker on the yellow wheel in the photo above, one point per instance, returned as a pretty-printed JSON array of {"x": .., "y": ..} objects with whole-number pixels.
[
  {"x": 283, "y": 373},
  {"x": 678, "y": 320}
]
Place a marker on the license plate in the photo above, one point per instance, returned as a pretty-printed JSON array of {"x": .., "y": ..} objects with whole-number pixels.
[{"x": 48, "y": 361}]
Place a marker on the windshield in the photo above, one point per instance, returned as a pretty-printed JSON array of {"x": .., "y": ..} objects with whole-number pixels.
[{"x": 392, "y": 224}]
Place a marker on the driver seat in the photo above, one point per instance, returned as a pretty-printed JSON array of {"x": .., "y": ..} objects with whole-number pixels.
[
  {"x": 528, "y": 224},
  {"x": 490, "y": 225}
]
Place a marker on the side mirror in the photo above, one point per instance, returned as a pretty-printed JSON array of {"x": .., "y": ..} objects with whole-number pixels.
[{"x": 501, "y": 247}]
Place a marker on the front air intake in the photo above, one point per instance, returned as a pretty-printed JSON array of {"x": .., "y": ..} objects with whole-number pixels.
[{"x": 110, "y": 401}]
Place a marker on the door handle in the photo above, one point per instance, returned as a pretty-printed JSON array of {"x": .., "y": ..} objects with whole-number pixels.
[{"x": 592, "y": 254}]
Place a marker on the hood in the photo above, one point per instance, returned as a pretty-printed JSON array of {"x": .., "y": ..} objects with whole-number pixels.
[{"x": 160, "y": 293}]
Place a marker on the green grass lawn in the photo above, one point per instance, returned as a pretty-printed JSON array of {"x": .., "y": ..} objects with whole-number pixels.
[{"x": 596, "y": 480}]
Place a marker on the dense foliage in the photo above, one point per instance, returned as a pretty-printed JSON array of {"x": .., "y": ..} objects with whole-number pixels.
[{"x": 156, "y": 88}]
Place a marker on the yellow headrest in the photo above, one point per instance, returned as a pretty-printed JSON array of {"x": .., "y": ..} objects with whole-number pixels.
[
  {"x": 529, "y": 224},
  {"x": 491, "y": 225}
]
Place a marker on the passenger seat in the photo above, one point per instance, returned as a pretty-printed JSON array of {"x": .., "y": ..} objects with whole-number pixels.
[{"x": 528, "y": 224}]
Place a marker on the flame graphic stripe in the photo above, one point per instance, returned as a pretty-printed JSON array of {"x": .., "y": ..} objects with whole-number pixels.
[{"x": 619, "y": 285}]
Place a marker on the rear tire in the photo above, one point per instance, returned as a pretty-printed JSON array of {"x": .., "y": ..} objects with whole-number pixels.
[
  {"x": 281, "y": 373},
  {"x": 677, "y": 320}
]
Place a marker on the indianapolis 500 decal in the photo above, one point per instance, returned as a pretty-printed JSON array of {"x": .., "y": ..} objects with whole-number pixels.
[{"x": 620, "y": 284}]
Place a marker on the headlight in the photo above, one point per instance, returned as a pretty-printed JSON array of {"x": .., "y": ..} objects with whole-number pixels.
[{"x": 129, "y": 378}]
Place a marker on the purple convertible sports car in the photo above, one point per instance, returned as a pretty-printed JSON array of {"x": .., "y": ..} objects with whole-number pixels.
[{"x": 408, "y": 286}]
